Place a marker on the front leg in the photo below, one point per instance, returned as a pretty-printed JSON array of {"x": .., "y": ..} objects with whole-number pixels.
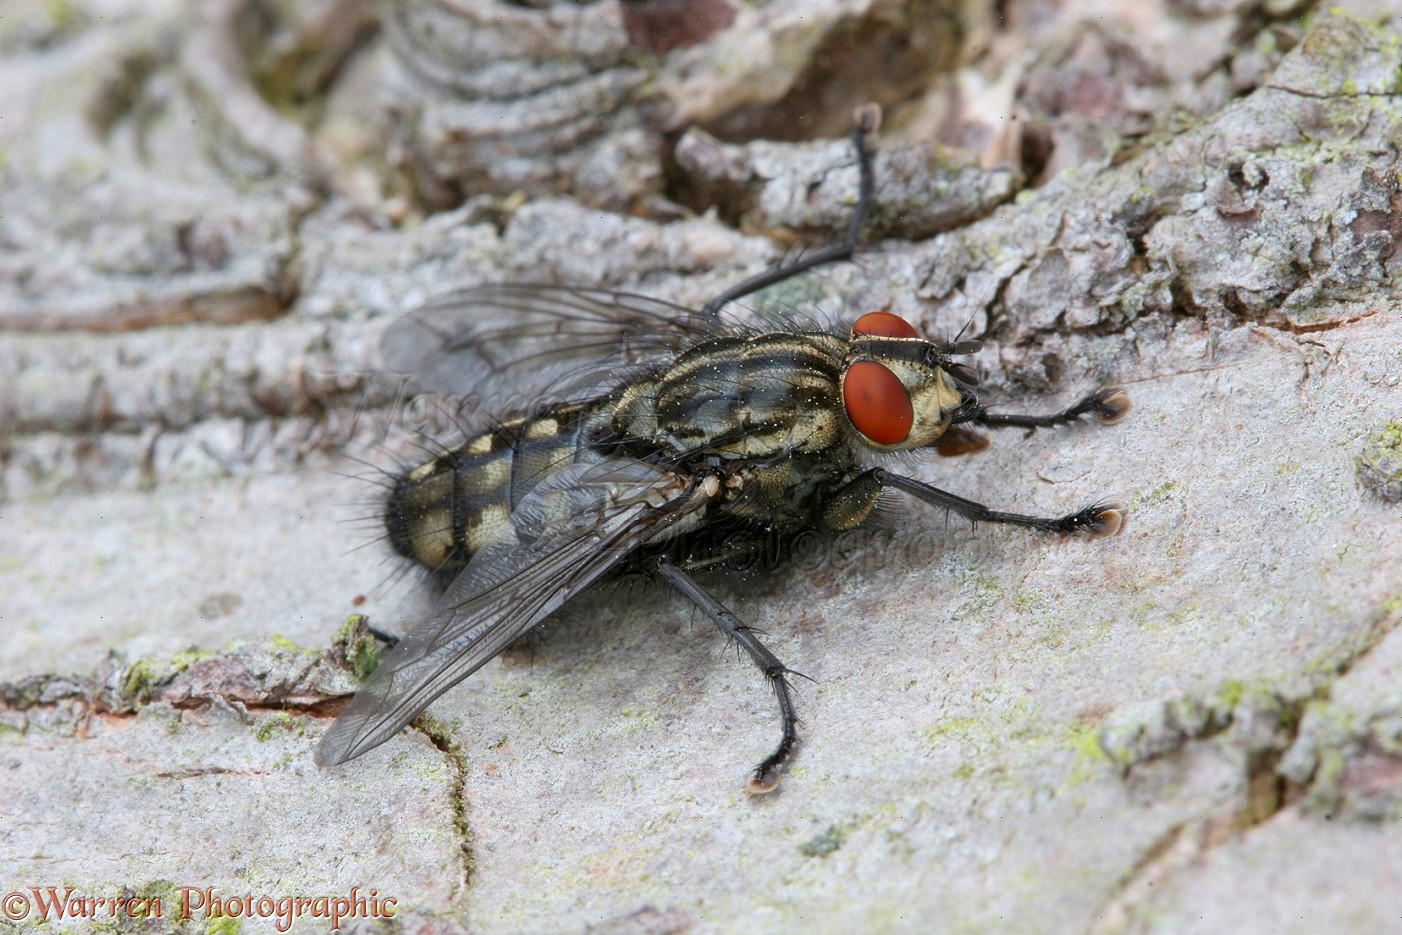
[
  {"x": 855, "y": 500},
  {"x": 1109, "y": 405}
]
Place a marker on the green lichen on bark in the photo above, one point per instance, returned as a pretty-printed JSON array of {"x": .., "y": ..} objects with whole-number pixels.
[{"x": 1379, "y": 463}]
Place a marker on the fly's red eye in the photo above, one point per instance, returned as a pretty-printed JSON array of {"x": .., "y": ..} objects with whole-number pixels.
[
  {"x": 877, "y": 401},
  {"x": 884, "y": 325}
]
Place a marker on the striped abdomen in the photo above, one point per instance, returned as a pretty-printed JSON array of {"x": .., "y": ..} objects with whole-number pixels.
[{"x": 442, "y": 511}]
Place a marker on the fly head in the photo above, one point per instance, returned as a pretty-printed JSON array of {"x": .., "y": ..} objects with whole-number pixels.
[{"x": 900, "y": 390}]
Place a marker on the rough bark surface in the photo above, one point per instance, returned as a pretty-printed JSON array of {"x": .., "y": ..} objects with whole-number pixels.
[{"x": 210, "y": 208}]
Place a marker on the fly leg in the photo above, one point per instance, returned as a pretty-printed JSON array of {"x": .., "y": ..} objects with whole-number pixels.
[
  {"x": 389, "y": 639},
  {"x": 1108, "y": 405},
  {"x": 1097, "y": 521},
  {"x": 766, "y": 774},
  {"x": 864, "y": 124}
]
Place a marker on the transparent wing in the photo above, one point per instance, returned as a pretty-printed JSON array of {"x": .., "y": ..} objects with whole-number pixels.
[
  {"x": 572, "y": 528},
  {"x": 537, "y": 340}
]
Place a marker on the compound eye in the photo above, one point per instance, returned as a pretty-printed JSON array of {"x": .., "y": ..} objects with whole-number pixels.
[
  {"x": 884, "y": 325},
  {"x": 877, "y": 402}
]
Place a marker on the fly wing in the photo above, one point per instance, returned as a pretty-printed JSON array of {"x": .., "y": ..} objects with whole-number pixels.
[
  {"x": 541, "y": 341},
  {"x": 571, "y": 529}
]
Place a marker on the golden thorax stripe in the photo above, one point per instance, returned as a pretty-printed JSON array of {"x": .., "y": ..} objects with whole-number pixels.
[
  {"x": 721, "y": 357},
  {"x": 794, "y": 350},
  {"x": 714, "y": 361},
  {"x": 781, "y": 368}
]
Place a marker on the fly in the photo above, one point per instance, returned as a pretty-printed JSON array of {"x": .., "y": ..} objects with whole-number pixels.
[{"x": 677, "y": 441}]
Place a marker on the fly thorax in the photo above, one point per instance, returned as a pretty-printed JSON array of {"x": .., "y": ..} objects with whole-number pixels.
[
  {"x": 634, "y": 417},
  {"x": 748, "y": 396}
]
